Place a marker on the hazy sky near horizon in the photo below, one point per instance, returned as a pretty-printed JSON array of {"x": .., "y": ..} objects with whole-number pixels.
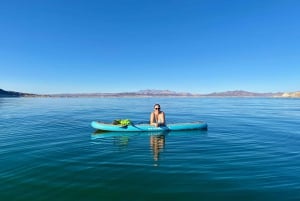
[{"x": 198, "y": 46}]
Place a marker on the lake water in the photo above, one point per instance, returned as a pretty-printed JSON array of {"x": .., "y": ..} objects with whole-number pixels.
[{"x": 49, "y": 151}]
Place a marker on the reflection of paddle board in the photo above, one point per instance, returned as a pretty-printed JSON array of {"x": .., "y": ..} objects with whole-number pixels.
[
  {"x": 200, "y": 125},
  {"x": 107, "y": 134},
  {"x": 99, "y": 134}
]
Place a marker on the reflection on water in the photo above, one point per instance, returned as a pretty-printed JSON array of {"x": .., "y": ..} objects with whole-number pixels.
[
  {"x": 122, "y": 139},
  {"x": 121, "y": 142},
  {"x": 157, "y": 143}
]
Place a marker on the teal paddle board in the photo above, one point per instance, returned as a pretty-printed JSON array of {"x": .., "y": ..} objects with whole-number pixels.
[{"x": 199, "y": 125}]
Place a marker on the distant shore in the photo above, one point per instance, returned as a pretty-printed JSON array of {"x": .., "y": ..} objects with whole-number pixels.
[{"x": 153, "y": 93}]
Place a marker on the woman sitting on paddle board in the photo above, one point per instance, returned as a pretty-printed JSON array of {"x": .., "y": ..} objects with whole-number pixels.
[{"x": 157, "y": 117}]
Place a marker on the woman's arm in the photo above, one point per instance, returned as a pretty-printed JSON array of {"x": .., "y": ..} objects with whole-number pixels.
[{"x": 152, "y": 119}]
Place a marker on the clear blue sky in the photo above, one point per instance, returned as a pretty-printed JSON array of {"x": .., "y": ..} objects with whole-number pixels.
[{"x": 198, "y": 46}]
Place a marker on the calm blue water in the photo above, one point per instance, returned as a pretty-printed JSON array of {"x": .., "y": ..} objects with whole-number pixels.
[{"x": 48, "y": 151}]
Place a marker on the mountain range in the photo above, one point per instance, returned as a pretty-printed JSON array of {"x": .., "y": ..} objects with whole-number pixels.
[
  {"x": 154, "y": 93},
  {"x": 4, "y": 93}
]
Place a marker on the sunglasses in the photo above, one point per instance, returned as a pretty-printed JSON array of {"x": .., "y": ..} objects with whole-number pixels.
[{"x": 157, "y": 108}]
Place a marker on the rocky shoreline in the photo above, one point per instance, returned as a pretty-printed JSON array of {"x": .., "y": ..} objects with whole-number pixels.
[{"x": 291, "y": 94}]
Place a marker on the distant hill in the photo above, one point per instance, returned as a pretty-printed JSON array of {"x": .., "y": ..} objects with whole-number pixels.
[
  {"x": 163, "y": 92},
  {"x": 5, "y": 94},
  {"x": 241, "y": 93},
  {"x": 154, "y": 93},
  {"x": 141, "y": 93}
]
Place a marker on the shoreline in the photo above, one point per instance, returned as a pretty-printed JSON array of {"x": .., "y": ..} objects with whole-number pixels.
[{"x": 154, "y": 94}]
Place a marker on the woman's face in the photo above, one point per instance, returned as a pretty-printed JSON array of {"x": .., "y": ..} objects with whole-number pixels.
[{"x": 156, "y": 107}]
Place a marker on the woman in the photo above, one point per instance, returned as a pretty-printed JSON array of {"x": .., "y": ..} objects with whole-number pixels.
[{"x": 157, "y": 117}]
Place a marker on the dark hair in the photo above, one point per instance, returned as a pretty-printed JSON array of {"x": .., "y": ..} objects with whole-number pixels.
[{"x": 156, "y": 105}]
